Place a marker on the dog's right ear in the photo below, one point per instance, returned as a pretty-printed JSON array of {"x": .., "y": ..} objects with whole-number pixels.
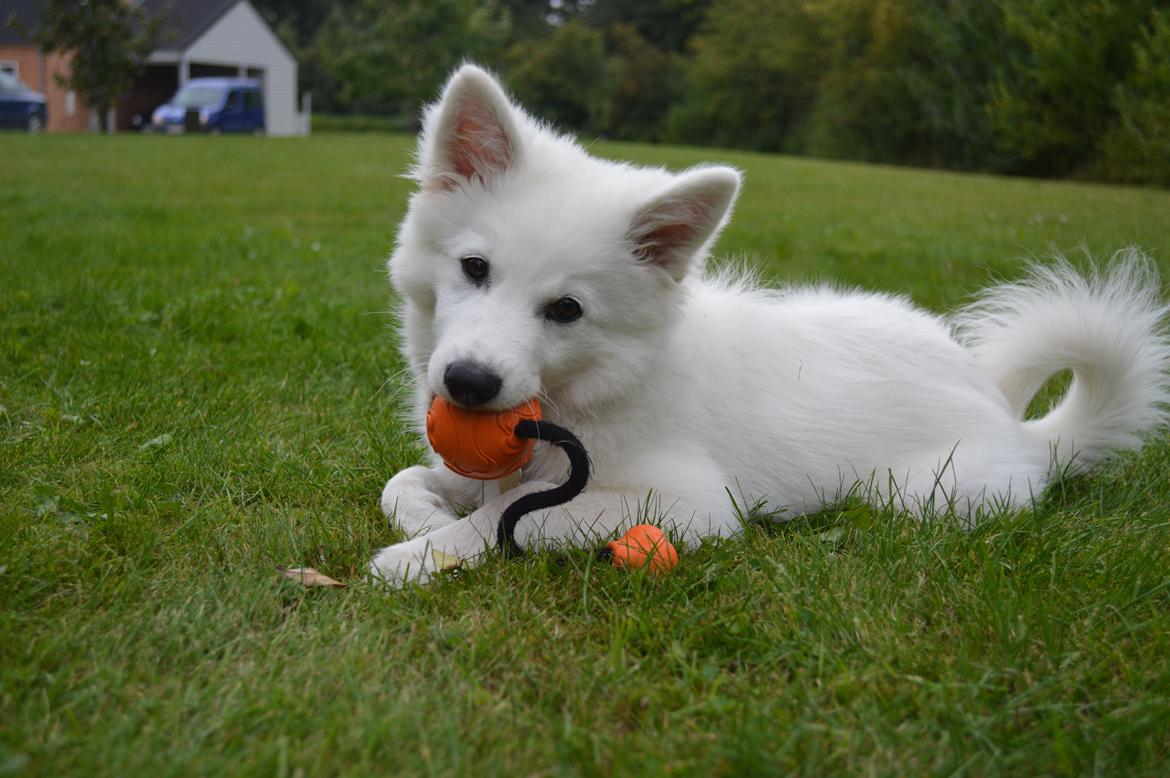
[
  {"x": 470, "y": 135},
  {"x": 674, "y": 231}
]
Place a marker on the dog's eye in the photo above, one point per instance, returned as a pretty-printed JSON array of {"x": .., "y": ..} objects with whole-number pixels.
[
  {"x": 475, "y": 268},
  {"x": 563, "y": 311}
]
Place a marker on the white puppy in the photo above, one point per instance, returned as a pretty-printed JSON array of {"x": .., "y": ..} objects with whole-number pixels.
[{"x": 528, "y": 268}]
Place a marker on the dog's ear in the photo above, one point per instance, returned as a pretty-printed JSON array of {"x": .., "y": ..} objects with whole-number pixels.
[
  {"x": 677, "y": 227},
  {"x": 470, "y": 134}
]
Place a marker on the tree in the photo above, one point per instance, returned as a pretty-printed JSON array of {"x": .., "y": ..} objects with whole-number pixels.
[
  {"x": 863, "y": 108},
  {"x": 108, "y": 42},
  {"x": 390, "y": 58},
  {"x": 1052, "y": 105},
  {"x": 666, "y": 25},
  {"x": 297, "y": 21},
  {"x": 955, "y": 54},
  {"x": 645, "y": 84},
  {"x": 564, "y": 78},
  {"x": 752, "y": 79},
  {"x": 1137, "y": 147}
]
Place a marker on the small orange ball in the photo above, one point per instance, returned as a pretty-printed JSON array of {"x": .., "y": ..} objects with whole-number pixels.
[
  {"x": 480, "y": 444},
  {"x": 644, "y": 545}
]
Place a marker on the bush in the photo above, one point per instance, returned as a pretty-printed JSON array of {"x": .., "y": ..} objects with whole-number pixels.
[
  {"x": 751, "y": 81},
  {"x": 1137, "y": 147},
  {"x": 563, "y": 78},
  {"x": 1055, "y": 96},
  {"x": 645, "y": 83},
  {"x": 360, "y": 123}
]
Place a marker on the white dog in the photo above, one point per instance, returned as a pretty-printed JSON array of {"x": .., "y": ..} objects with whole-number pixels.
[{"x": 528, "y": 268}]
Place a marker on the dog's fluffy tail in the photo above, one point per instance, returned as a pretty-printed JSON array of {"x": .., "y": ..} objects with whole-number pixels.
[{"x": 1106, "y": 326}]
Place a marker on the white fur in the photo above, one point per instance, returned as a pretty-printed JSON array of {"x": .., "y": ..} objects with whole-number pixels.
[{"x": 685, "y": 387}]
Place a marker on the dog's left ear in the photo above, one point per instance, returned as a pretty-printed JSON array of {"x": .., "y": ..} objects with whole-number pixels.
[
  {"x": 676, "y": 228},
  {"x": 470, "y": 135}
]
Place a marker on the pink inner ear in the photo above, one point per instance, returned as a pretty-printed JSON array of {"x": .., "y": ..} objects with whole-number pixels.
[
  {"x": 479, "y": 146},
  {"x": 663, "y": 239},
  {"x": 670, "y": 227}
]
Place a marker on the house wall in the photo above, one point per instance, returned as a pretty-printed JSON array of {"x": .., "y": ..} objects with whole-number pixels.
[
  {"x": 28, "y": 63},
  {"x": 242, "y": 39},
  {"x": 37, "y": 70}
]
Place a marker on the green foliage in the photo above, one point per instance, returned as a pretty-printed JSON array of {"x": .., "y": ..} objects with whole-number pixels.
[
  {"x": 645, "y": 83},
  {"x": 108, "y": 41},
  {"x": 1037, "y": 87},
  {"x": 1053, "y": 104},
  {"x": 1137, "y": 147},
  {"x": 565, "y": 77},
  {"x": 391, "y": 58},
  {"x": 666, "y": 25},
  {"x": 298, "y": 20},
  {"x": 752, "y": 80},
  {"x": 950, "y": 71},
  {"x": 1007, "y": 85},
  {"x": 196, "y": 388},
  {"x": 323, "y": 122},
  {"x": 863, "y": 108}
]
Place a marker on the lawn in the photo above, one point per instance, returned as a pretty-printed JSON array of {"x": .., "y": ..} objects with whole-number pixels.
[{"x": 199, "y": 382}]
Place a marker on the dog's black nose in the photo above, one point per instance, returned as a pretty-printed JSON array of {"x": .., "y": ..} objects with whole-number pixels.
[{"x": 471, "y": 384}]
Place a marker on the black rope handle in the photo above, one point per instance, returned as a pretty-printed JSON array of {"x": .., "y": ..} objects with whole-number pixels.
[{"x": 558, "y": 495}]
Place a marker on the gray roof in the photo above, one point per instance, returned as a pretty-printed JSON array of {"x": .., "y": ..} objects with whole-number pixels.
[
  {"x": 27, "y": 11},
  {"x": 185, "y": 21}
]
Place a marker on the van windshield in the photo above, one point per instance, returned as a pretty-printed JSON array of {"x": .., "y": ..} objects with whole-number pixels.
[{"x": 197, "y": 96}]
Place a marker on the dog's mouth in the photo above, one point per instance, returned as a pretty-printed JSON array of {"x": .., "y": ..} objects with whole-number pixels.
[
  {"x": 480, "y": 383},
  {"x": 495, "y": 405}
]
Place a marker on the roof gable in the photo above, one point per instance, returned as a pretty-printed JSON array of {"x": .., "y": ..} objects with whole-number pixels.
[
  {"x": 186, "y": 20},
  {"x": 26, "y": 12}
]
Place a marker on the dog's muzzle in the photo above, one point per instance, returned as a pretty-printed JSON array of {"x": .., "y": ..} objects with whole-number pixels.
[{"x": 471, "y": 384}]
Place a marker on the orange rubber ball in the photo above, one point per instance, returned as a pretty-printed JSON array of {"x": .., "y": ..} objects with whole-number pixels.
[
  {"x": 480, "y": 444},
  {"x": 644, "y": 545}
]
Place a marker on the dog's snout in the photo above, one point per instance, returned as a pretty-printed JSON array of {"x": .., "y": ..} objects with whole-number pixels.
[{"x": 471, "y": 384}]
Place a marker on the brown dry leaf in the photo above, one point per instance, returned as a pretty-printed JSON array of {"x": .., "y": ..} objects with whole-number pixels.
[
  {"x": 444, "y": 561},
  {"x": 308, "y": 577}
]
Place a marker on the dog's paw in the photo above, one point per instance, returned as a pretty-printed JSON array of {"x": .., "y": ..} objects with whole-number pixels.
[
  {"x": 403, "y": 564},
  {"x": 411, "y": 507},
  {"x": 459, "y": 544}
]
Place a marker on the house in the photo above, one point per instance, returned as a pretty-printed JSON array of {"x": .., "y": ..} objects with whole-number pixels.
[
  {"x": 198, "y": 38},
  {"x": 24, "y": 60}
]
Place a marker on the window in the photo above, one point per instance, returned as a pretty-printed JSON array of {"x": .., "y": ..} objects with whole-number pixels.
[
  {"x": 197, "y": 96},
  {"x": 70, "y": 103},
  {"x": 252, "y": 101},
  {"x": 9, "y": 84},
  {"x": 233, "y": 101},
  {"x": 10, "y": 66}
]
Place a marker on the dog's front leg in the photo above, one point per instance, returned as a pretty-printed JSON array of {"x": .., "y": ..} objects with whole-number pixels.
[
  {"x": 421, "y": 499},
  {"x": 466, "y": 541},
  {"x": 590, "y": 518}
]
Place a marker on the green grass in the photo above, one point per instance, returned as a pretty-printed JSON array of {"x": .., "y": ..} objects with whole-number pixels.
[{"x": 198, "y": 382}]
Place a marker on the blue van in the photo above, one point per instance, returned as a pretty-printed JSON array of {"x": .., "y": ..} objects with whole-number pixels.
[
  {"x": 213, "y": 105},
  {"x": 20, "y": 106}
]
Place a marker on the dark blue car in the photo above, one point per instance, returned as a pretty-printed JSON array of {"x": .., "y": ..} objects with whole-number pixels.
[
  {"x": 21, "y": 107},
  {"x": 213, "y": 105}
]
